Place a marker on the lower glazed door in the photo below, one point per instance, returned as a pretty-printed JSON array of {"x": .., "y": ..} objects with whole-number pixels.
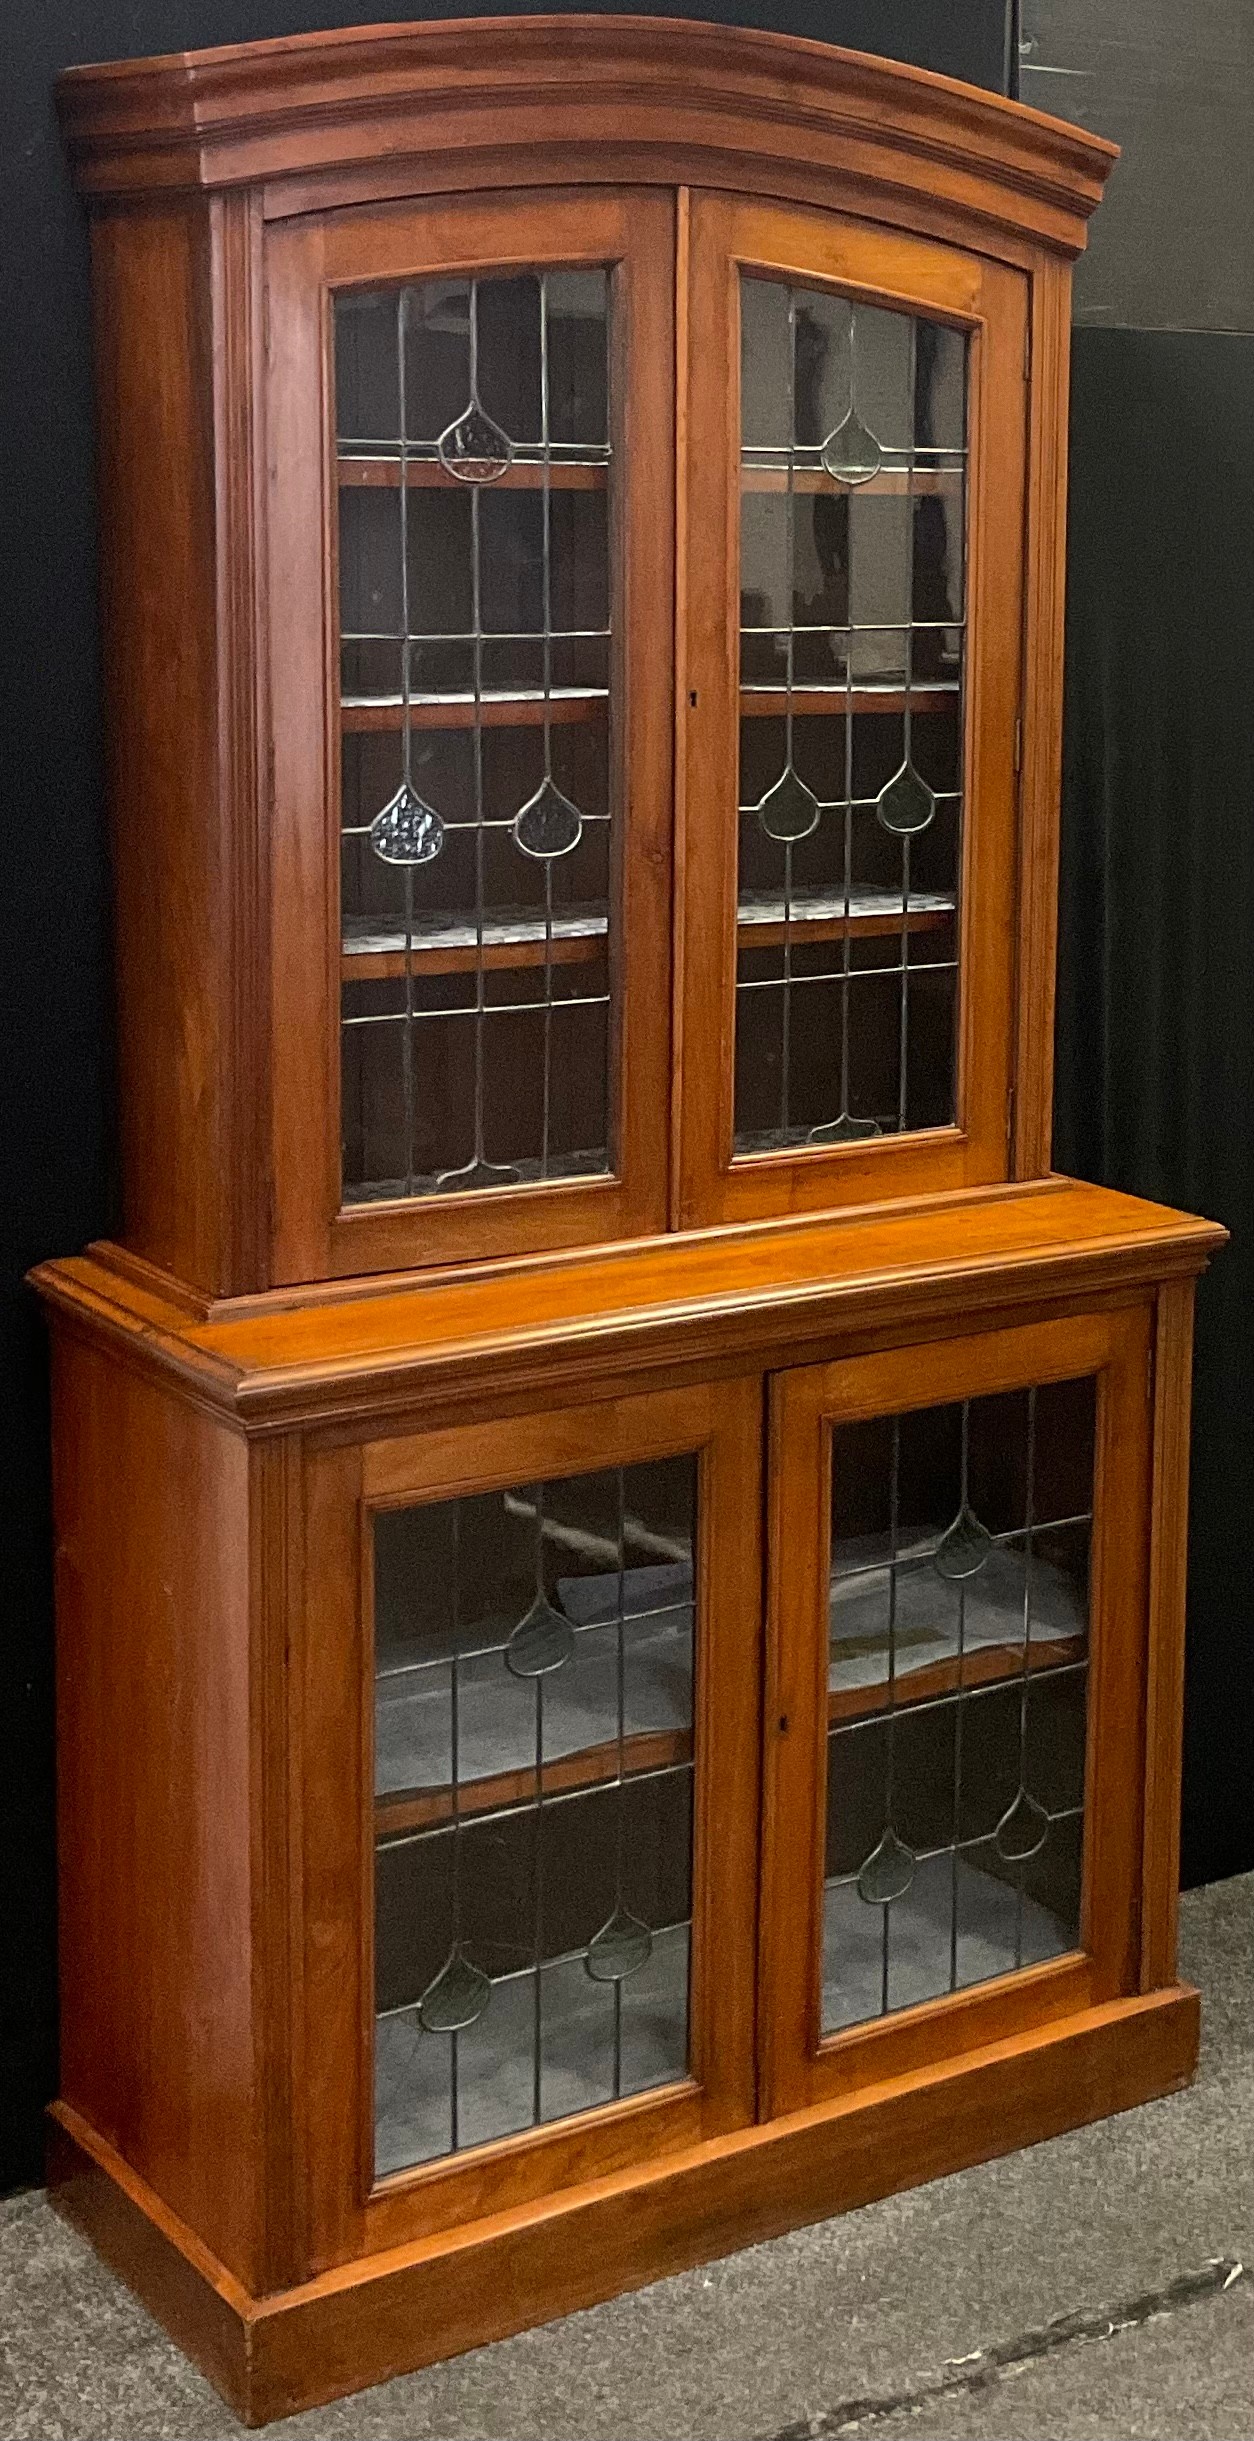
[
  {"x": 532, "y": 1737},
  {"x": 954, "y": 1705}
]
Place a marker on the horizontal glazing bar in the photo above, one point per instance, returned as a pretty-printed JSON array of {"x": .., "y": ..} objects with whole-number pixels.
[
  {"x": 522, "y": 1974},
  {"x": 855, "y": 974},
  {"x": 837, "y": 805},
  {"x": 810, "y": 453},
  {"x": 955, "y": 1847},
  {"x": 854, "y": 627},
  {"x": 908, "y": 1554},
  {"x": 504, "y": 635},
  {"x": 525, "y": 453},
  {"x": 471, "y": 824},
  {"x": 486, "y": 1652},
  {"x": 506, "y": 1008}
]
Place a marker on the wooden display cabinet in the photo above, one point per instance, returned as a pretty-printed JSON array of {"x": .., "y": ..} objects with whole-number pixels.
[{"x": 620, "y": 1537}]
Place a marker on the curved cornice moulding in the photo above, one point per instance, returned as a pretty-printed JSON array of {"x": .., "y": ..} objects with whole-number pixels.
[{"x": 506, "y": 101}]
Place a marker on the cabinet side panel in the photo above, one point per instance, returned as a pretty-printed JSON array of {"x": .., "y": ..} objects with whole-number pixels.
[
  {"x": 154, "y": 1791},
  {"x": 153, "y": 350}
]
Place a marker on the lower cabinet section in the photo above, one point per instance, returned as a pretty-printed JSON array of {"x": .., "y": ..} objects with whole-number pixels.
[{"x": 610, "y": 1816}]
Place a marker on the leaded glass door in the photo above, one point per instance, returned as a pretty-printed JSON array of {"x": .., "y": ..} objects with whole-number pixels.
[
  {"x": 544, "y": 1948},
  {"x": 852, "y": 688},
  {"x": 960, "y": 1535},
  {"x": 477, "y": 1060}
]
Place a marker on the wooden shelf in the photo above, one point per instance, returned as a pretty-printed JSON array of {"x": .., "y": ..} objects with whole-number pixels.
[
  {"x": 579, "y": 934},
  {"x": 592, "y": 1766},
  {"x": 891, "y": 482},
  {"x": 497, "y": 711},
  {"x": 985, "y": 1666},
  {"x": 428, "y": 475},
  {"x": 771, "y": 703}
]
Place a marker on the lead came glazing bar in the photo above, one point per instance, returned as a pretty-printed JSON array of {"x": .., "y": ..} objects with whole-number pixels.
[
  {"x": 532, "y": 1934},
  {"x": 957, "y": 1696},
  {"x": 476, "y": 773},
  {"x": 851, "y": 585}
]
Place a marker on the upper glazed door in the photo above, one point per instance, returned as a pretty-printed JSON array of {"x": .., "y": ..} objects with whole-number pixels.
[
  {"x": 470, "y": 419},
  {"x": 854, "y": 476}
]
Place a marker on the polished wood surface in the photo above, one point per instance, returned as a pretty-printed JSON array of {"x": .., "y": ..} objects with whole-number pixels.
[
  {"x": 389, "y": 2313},
  {"x": 257, "y": 1371},
  {"x": 156, "y": 1795},
  {"x": 315, "y": 1235},
  {"x": 799, "y": 2065},
  {"x": 772, "y": 1292},
  {"x": 350, "y": 115},
  {"x": 990, "y": 302},
  {"x": 333, "y": 1651}
]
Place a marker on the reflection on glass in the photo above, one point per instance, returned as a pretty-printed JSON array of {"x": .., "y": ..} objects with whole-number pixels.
[
  {"x": 957, "y": 1696},
  {"x": 474, "y": 559},
  {"x": 853, "y": 519},
  {"x": 533, "y": 1774}
]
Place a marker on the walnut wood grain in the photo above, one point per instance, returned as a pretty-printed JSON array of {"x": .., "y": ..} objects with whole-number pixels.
[
  {"x": 392, "y": 2312},
  {"x": 335, "y": 116}
]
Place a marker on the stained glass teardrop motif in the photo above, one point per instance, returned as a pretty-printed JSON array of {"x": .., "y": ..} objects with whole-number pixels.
[
  {"x": 474, "y": 448},
  {"x": 887, "y": 1872},
  {"x": 456, "y": 1997},
  {"x": 789, "y": 810},
  {"x": 619, "y": 1949},
  {"x": 963, "y": 1549},
  {"x": 407, "y": 831},
  {"x": 1023, "y": 1829},
  {"x": 541, "y": 1642},
  {"x": 906, "y": 805},
  {"x": 548, "y": 825},
  {"x": 851, "y": 454}
]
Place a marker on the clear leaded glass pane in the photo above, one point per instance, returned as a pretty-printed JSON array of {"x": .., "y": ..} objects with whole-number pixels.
[
  {"x": 478, "y": 957},
  {"x": 957, "y": 1696},
  {"x": 852, "y": 544},
  {"x": 533, "y": 1811}
]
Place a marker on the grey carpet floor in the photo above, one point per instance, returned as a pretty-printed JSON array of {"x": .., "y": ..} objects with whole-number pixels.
[{"x": 865, "y": 2318}]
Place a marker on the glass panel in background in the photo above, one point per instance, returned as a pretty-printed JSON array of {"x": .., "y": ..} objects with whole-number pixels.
[
  {"x": 476, "y": 799},
  {"x": 852, "y": 607},
  {"x": 533, "y": 1775},
  {"x": 957, "y": 1695}
]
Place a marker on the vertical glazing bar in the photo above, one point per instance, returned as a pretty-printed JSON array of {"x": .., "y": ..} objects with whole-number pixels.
[
  {"x": 476, "y": 621},
  {"x": 407, "y": 1039},
  {"x": 455, "y": 1816},
  {"x": 546, "y": 564},
  {"x": 537, "y": 2014},
  {"x": 621, "y": 1824},
  {"x": 894, "y": 1511},
  {"x": 959, "y": 1703},
  {"x": 1025, "y": 1677},
  {"x": 846, "y": 941},
  {"x": 912, "y": 380},
  {"x": 790, "y": 598}
]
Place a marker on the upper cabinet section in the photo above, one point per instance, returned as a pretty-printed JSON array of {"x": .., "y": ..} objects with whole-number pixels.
[{"x": 583, "y": 514}]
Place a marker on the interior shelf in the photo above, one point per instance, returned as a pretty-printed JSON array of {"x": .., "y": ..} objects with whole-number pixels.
[
  {"x": 428, "y": 474},
  {"x": 523, "y": 709},
  {"x": 892, "y": 481},
  {"x": 772, "y": 703},
  {"x": 375, "y": 951}
]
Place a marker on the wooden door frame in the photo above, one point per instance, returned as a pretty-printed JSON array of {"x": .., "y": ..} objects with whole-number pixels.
[
  {"x": 345, "y": 1483},
  {"x": 801, "y": 2066},
  {"x": 314, "y": 1234},
  {"x": 835, "y": 251}
]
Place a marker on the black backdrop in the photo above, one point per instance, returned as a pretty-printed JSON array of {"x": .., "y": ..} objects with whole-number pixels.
[{"x": 1157, "y": 1106}]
